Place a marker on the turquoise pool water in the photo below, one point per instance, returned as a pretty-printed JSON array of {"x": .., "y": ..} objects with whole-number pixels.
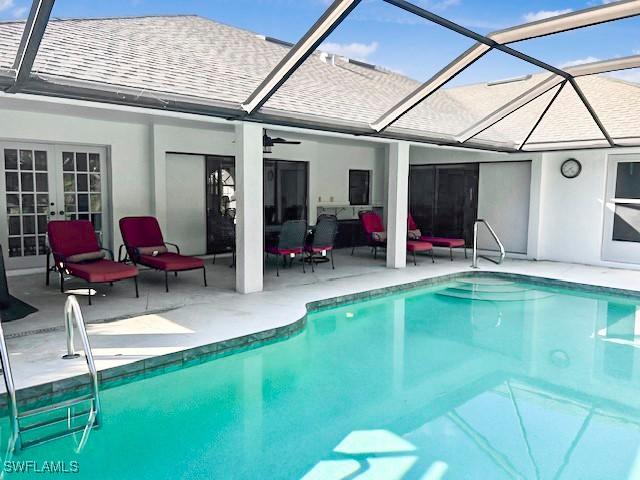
[{"x": 485, "y": 378}]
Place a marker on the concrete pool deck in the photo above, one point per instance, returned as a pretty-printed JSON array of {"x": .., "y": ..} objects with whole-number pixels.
[{"x": 125, "y": 331}]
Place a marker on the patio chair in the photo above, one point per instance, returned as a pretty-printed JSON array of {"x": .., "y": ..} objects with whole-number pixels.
[
  {"x": 76, "y": 251},
  {"x": 449, "y": 243},
  {"x": 291, "y": 242},
  {"x": 324, "y": 236},
  {"x": 145, "y": 246},
  {"x": 375, "y": 235}
]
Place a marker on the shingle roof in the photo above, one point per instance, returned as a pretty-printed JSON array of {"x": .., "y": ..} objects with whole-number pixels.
[{"x": 201, "y": 58}]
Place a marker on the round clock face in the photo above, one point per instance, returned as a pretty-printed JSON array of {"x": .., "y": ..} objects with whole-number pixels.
[{"x": 571, "y": 168}]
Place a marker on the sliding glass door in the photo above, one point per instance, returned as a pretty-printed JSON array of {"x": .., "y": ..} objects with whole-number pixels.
[
  {"x": 443, "y": 199},
  {"x": 220, "y": 202},
  {"x": 286, "y": 188}
]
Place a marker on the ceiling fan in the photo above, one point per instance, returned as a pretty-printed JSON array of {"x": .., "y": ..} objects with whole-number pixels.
[{"x": 268, "y": 142}]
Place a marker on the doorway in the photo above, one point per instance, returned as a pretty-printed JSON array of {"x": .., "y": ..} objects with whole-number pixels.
[
  {"x": 286, "y": 188},
  {"x": 443, "y": 199},
  {"x": 44, "y": 182},
  {"x": 220, "y": 202}
]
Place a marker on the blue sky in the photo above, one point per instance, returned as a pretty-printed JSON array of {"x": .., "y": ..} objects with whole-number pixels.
[{"x": 379, "y": 33}]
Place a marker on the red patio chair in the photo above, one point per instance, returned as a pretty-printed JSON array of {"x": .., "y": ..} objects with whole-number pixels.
[
  {"x": 145, "y": 246},
  {"x": 76, "y": 252},
  {"x": 373, "y": 230},
  {"x": 449, "y": 243}
]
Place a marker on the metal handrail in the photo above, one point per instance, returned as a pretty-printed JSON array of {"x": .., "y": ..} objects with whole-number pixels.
[
  {"x": 72, "y": 312},
  {"x": 475, "y": 244},
  {"x": 11, "y": 389}
]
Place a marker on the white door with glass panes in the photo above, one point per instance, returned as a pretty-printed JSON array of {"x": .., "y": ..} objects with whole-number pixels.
[
  {"x": 43, "y": 182},
  {"x": 621, "y": 241}
]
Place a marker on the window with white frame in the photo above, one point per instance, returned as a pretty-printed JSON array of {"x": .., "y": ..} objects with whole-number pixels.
[{"x": 626, "y": 223}]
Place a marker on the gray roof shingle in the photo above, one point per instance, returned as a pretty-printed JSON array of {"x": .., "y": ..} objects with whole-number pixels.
[{"x": 201, "y": 58}]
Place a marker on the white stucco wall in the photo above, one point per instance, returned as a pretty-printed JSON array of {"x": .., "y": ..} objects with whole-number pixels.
[
  {"x": 138, "y": 142},
  {"x": 565, "y": 216},
  {"x": 126, "y": 140},
  {"x": 572, "y": 210}
]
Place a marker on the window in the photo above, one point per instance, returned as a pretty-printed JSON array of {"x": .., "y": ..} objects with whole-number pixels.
[
  {"x": 626, "y": 223},
  {"x": 359, "y": 181}
]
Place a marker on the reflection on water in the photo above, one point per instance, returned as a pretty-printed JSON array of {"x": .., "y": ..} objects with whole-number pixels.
[{"x": 485, "y": 380}]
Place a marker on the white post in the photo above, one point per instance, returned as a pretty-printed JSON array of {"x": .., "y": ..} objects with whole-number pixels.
[
  {"x": 397, "y": 208},
  {"x": 250, "y": 208}
]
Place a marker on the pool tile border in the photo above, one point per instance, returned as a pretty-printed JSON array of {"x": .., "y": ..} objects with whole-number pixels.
[{"x": 158, "y": 365}]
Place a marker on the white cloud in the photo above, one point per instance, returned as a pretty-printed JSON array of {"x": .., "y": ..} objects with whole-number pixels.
[
  {"x": 627, "y": 75},
  {"x": 355, "y": 50},
  {"x": 579, "y": 61},
  {"x": 5, "y": 5},
  {"x": 542, "y": 14}
]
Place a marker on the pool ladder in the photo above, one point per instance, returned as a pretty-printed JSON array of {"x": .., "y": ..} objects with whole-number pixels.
[
  {"x": 19, "y": 425},
  {"x": 497, "y": 260}
]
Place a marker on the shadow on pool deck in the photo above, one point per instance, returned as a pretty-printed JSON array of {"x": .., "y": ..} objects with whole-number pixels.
[{"x": 119, "y": 301}]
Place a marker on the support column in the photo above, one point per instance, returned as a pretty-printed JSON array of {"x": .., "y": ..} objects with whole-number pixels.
[
  {"x": 397, "y": 208},
  {"x": 250, "y": 208}
]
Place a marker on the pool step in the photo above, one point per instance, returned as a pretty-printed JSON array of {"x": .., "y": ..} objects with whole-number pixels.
[
  {"x": 485, "y": 281},
  {"x": 517, "y": 296},
  {"x": 488, "y": 288}
]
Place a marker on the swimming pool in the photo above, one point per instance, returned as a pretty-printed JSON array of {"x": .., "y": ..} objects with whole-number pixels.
[{"x": 482, "y": 377}]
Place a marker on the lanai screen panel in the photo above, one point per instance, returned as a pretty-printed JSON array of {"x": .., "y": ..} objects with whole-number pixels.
[
  {"x": 162, "y": 50},
  {"x": 356, "y": 75},
  {"x": 429, "y": 80},
  {"x": 491, "y": 82},
  {"x": 12, "y": 23},
  {"x": 616, "y": 99}
]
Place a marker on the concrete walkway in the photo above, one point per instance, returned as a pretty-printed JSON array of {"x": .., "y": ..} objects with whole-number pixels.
[{"x": 124, "y": 329}]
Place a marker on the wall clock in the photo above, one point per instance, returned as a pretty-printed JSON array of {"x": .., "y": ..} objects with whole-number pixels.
[{"x": 571, "y": 168}]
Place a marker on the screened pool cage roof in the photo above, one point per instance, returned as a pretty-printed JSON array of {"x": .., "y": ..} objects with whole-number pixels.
[{"x": 238, "y": 75}]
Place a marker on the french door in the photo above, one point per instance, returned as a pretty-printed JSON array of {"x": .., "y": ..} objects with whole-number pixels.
[{"x": 43, "y": 182}]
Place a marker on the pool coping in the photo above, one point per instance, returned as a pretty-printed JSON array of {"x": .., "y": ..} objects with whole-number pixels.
[{"x": 157, "y": 365}]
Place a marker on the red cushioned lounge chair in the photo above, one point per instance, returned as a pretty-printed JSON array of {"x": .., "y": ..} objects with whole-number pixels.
[
  {"x": 76, "y": 252},
  {"x": 291, "y": 242},
  {"x": 145, "y": 246},
  {"x": 449, "y": 243},
  {"x": 374, "y": 232},
  {"x": 377, "y": 238}
]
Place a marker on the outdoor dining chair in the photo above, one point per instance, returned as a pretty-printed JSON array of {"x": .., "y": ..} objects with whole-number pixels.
[
  {"x": 290, "y": 243},
  {"x": 322, "y": 241}
]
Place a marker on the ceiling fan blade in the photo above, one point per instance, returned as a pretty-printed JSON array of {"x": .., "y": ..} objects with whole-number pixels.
[{"x": 284, "y": 141}]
